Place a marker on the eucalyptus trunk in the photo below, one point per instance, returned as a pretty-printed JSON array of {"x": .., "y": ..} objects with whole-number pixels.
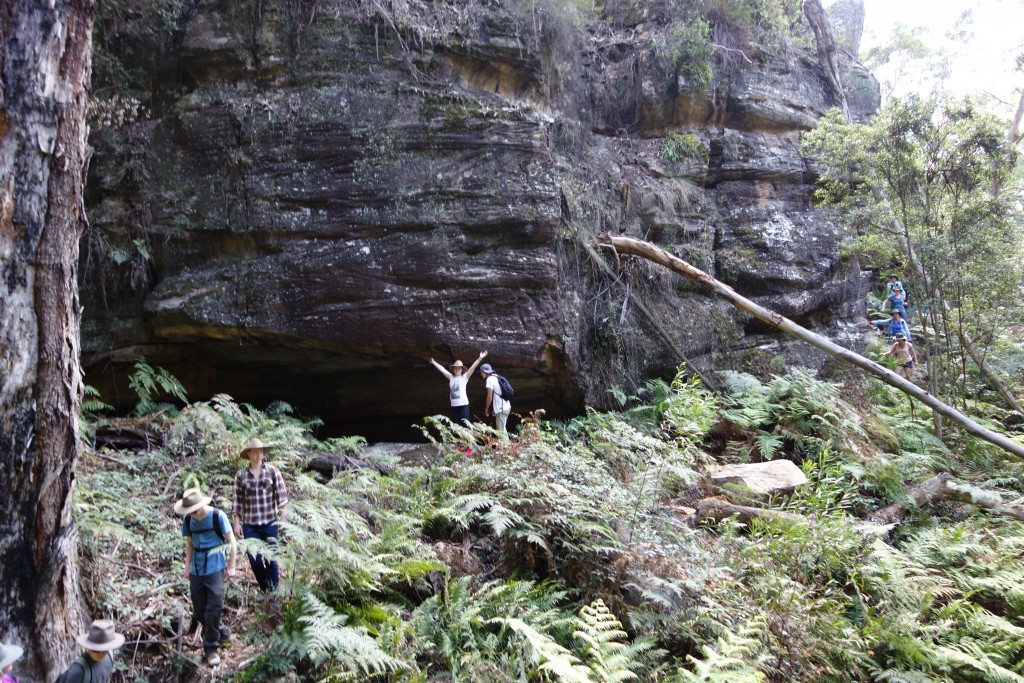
[{"x": 45, "y": 66}]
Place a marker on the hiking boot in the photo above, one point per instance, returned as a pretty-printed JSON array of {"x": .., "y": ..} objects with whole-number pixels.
[
  {"x": 212, "y": 659},
  {"x": 225, "y": 636}
]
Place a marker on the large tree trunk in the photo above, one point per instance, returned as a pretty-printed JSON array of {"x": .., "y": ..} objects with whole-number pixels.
[
  {"x": 653, "y": 253},
  {"x": 45, "y": 65}
]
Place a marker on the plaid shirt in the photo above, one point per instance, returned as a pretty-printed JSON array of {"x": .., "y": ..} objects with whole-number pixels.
[{"x": 257, "y": 499}]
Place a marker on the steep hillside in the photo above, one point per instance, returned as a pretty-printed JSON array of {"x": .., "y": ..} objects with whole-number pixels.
[{"x": 315, "y": 197}]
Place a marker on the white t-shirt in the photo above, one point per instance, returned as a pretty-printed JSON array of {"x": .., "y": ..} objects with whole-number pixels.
[
  {"x": 457, "y": 390},
  {"x": 500, "y": 405}
]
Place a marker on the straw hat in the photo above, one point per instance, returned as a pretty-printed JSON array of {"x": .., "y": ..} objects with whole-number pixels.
[
  {"x": 192, "y": 500},
  {"x": 255, "y": 445},
  {"x": 9, "y": 654},
  {"x": 101, "y": 636},
  {"x": 457, "y": 364}
]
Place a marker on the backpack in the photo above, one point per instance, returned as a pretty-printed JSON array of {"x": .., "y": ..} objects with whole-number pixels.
[
  {"x": 86, "y": 668},
  {"x": 505, "y": 389},
  {"x": 216, "y": 527}
]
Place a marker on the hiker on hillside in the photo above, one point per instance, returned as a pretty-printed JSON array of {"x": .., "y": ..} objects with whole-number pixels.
[
  {"x": 458, "y": 378},
  {"x": 893, "y": 326},
  {"x": 96, "y": 664},
  {"x": 495, "y": 403},
  {"x": 9, "y": 654},
  {"x": 904, "y": 353},
  {"x": 896, "y": 301},
  {"x": 894, "y": 283},
  {"x": 207, "y": 530},
  {"x": 259, "y": 510}
]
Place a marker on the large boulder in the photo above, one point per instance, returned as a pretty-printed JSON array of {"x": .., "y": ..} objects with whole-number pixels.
[{"x": 774, "y": 477}]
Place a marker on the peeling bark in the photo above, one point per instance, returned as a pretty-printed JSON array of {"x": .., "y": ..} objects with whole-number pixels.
[
  {"x": 45, "y": 66},
  {"x": 660, "y": 256}
]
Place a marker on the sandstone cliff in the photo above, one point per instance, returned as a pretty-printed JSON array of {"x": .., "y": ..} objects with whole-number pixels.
[{"x": 322, "y": 195}]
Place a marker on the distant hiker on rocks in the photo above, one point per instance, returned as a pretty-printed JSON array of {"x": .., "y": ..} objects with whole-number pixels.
[
  {"x": 96, "y": 664},
  {"x": 260, "y": 504},
  {"x": 904, "y": 353},
  {"x": 207, "y": 530},
  {"x": 496, "y": 403},
  {"x": 458, "y": 378},
  {"x": 9, "y": 654},
  {"x": 897, "y": 302},
  {"x": 893, "y": 326},
  {"x": 894, "y": 283}
]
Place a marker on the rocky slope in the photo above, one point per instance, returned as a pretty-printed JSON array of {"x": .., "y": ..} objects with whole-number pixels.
[{"x": 322, "y": 195}]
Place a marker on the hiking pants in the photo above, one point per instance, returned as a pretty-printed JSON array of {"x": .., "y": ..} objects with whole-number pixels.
[
  {"x": 208, "y": 604},
  {"x": 267, "y": 574},
  {"x": 500, "y": 420}
]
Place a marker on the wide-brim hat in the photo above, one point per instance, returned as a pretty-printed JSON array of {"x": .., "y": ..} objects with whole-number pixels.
[
  {"x": 9, "y": 654},
  {"x": 191, "y": 500},
  {"x": 255, "y": 445},
  {"x": 486, "y": 368},
  {"x": 101, "y": 636},
  {"x": 457, "y": 364}
]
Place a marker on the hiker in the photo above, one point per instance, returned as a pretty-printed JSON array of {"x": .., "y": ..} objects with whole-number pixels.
[
  {"x": 893, "y": 283},
  {"x": 259, "y": 510},
  {"x": 96, "y": 664},
  {"x": 904, "y": 353},
  {"x": 893, "y": 326},
  {"x": 896, "y": 301},
  {"x": 495, "y": 402},
  {"x": 207, "y": 530},
  {"x": 9, "y": 654},
  {"x": 457, "y": 381}
]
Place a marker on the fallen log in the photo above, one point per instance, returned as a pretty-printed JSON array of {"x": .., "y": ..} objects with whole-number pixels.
[
  {"x": 329, "y": 463},
  {"x": 940, "y": 489},
  {"x": 628, "y": 245},
  {"x": 718, "y": 509}
]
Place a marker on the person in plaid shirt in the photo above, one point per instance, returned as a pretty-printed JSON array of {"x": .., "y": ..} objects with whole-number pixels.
[{"x": 259, "y": 509}]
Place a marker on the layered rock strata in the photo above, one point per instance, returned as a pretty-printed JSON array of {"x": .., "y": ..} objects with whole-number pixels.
[{"x": 316, "y": 205}]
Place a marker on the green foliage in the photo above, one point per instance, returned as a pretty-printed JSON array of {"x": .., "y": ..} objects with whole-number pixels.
[
  {"x": 435, "y": 572},
  {"x": 511, "y": 627},
  {"x": 610, "y": 659},
  {"x": 796, "y": 415},
  {"x": 926, "y": 175},
  {"x": 149, "y": 382},
  {"x": 678, "y": 147},
  {"x": 687, "y": 45},
  {"x": 725, "y": 661}
]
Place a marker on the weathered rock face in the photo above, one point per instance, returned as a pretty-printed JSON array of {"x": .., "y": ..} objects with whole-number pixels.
[{"x": 317, "y": 206}]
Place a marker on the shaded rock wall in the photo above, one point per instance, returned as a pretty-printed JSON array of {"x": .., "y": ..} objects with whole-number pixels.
[{"x": 317, "y": 203}]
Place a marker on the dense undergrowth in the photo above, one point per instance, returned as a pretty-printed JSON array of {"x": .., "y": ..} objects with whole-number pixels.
[{"x": 570, "y": 553}]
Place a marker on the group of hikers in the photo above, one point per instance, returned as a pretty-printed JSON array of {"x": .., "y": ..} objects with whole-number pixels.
[
  {"x": 259, "y": 508},
  {"x": 897, "y": 327},
  {"x": 260, "y": 501},
  {"x": 497, "y": 398}
]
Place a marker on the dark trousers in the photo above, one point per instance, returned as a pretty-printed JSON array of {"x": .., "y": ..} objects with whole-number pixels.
[
  {"x": 265, "y": 569},
  {"x": 208, "y": 604},
  {"x": 460, "y": 415}
]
